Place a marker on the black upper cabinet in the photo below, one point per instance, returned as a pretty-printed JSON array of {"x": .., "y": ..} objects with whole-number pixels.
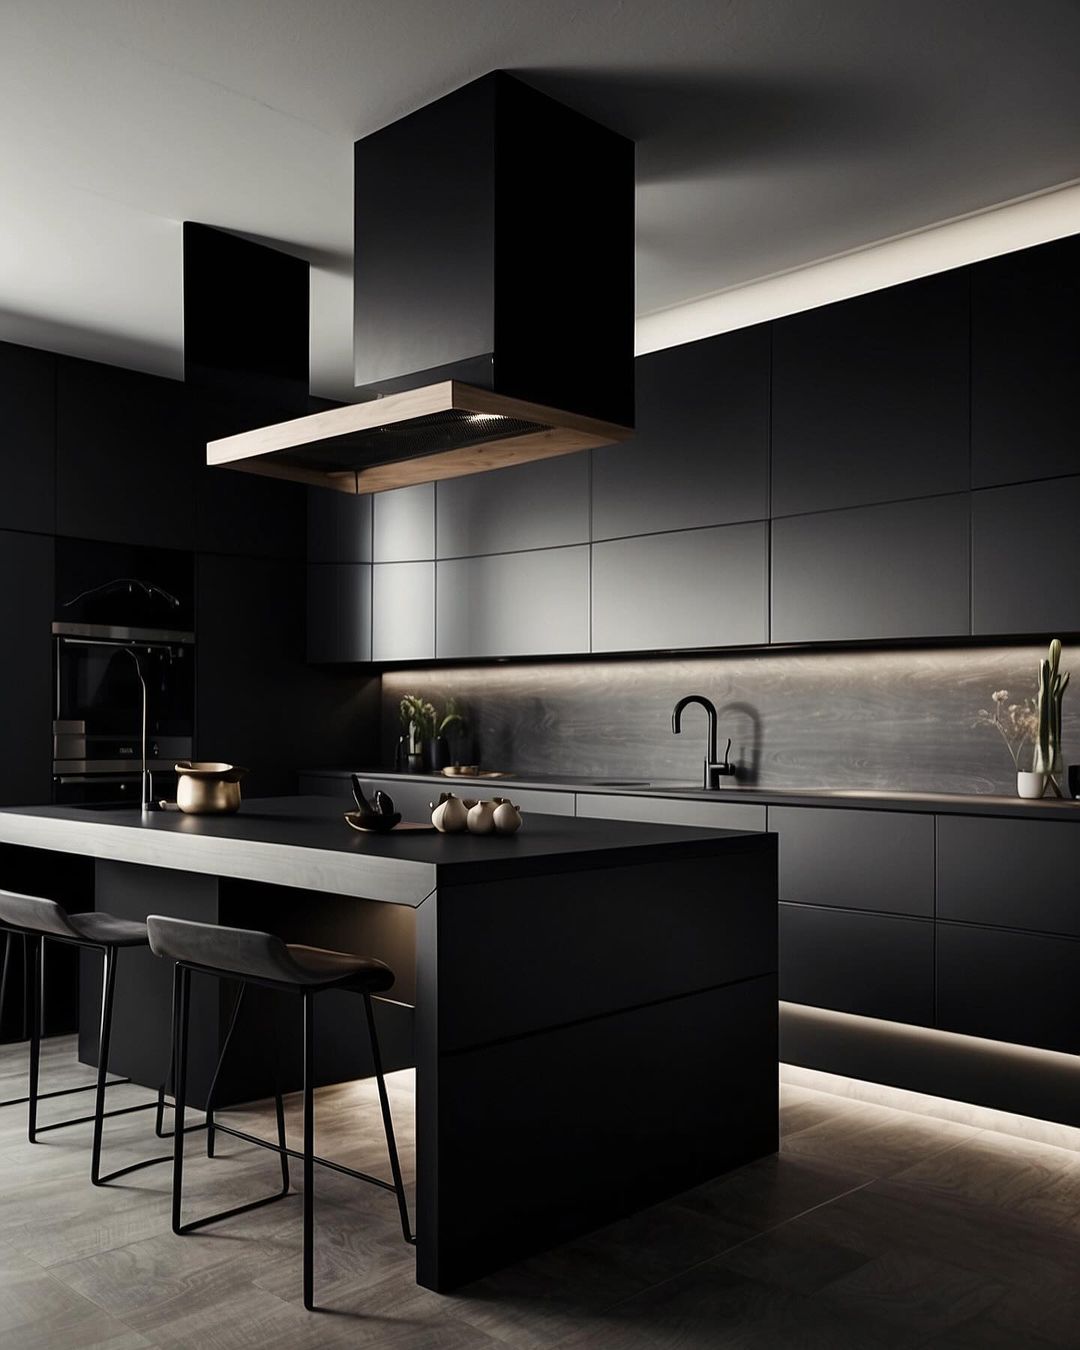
[
  {"x": 237, "y": 512},
  {"x": 1025, "y": 353},
  {"x": 537, "y": 505},
  {"x": 894, "y": 571},
  {"x": 700, "y": 453},
  {"x": 126, "y": 456},
  {"x": 1009, "y": 525},
  {"x": 27, "y": 439},
  {"x": 26, "y": 608},
  {"x": 871, "y": 398},
  {"x": 338, "y": 526},
  {"x": 692, "y": 588}
]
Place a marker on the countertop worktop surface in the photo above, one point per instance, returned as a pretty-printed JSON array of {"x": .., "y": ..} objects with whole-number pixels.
[
  {"x": 968, "y": 804},
  {"x": 305, "y": 842}
]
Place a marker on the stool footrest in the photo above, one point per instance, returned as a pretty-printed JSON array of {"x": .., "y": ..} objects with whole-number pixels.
[
  {"x": 295, "y": 1153},
  {"x": 63, "y": 1092},
  {"x": 105, "y": 1115}
]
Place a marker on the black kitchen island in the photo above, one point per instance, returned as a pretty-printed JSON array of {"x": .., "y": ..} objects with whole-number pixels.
[{"x": 590, "y": 1005}]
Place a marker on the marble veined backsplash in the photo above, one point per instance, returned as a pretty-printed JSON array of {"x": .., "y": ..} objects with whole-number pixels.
[{"x": 892, "y": 719}]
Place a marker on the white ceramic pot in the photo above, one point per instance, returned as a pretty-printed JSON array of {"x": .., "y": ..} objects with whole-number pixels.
[
  {"x": 507, "y": 816},
  {"x": 450, "y": 815},
  {"x": 1030, "y": 786},
  {"x": 482, "y": 818}
]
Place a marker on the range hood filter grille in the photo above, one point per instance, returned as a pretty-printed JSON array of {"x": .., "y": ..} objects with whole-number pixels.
[{"x": 411, "y": 439}]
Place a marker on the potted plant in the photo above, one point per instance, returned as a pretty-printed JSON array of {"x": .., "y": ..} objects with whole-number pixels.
[
  {"x": 1052, "y": 685},
  {"x": 1036, "y": 721},
  {"x": 424, "y": 743}
]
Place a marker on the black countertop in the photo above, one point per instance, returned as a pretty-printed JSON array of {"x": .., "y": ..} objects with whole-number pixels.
[
  {"x": 305, "y": 842},
  {"x": 940, "y": 803}
]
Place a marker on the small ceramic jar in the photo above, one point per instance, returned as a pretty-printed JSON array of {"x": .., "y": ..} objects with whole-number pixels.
[
  {"x": 482, "y": 818},
  {"x": 450, "y": 815},
  {"x": 507, "y": 817}
]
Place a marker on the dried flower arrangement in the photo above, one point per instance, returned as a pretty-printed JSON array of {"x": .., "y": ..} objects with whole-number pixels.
[{"x": 1015, "y": 723}]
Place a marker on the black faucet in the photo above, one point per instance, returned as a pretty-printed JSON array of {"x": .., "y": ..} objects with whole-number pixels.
[{"x": 714, "y": 766}]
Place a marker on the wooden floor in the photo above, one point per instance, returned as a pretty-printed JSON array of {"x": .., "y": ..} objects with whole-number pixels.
[{"x": 873, "y": 1228}]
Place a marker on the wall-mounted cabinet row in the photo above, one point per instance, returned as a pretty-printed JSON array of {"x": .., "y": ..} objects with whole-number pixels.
[{"x": 865, "y": 471}]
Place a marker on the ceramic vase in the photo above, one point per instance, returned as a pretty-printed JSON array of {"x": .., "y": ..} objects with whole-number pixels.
[
  {"x": 1030, "y": 786},
  {"x": 507, "y": 817},
  {"x": 449, "y": 815},
  {"x": 482, "y": 818}
]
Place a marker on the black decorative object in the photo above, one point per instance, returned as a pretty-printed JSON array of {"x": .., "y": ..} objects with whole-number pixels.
[
  {"x": 375, "y": 817},
  {"x": 1074, "y": 781}
]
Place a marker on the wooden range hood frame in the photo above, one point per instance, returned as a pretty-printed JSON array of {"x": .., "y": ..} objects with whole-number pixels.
[{"x": 297, "y": 450}]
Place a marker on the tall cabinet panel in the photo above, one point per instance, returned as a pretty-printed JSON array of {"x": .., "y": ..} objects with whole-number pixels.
[
  {"x": 27, "y": 439},
  {"x": 26, "y": 602},
  {"x": 1025, "y": 352},
  {"x": 126, "y": 456},
  {"x": 870, "y": 398},
  {"x": 700, "y": 451},
  {"x": 338, "y": 612}
]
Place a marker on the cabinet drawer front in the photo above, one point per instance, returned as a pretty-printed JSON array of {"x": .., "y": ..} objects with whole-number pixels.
[
  {"x": 1015, "y": 873},
  {"x": 666, "y": 811},
  {"x": 870, "y": 964},
  {"x": 868, "y": 860},
  {"x": 1015, "y": 987}
]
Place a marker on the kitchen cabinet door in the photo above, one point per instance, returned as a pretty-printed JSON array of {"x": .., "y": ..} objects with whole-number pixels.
[
  {"x": 1008, "y": 524},
  {"x": 403, "y": 611},
  {"x": 127, "y": 453},
  {"x": 403, "y": 523},
  {"x": 27, "y": 439},
  {"x": 540, "y": 505},
  {"x": 699, "y": 454},
  {"x": 1009, "y": 873},
  {"x": 1013, "y": 987},
  {"x": 871, "y": 964},
  {"x": 718, "y": 815},
  {"x": 338, "y": 612},
  {"x": 513, "y": 604},
  {"x": 870, "y": 398},
  {"x": 1025, "y": 352},
  {"x": 867, "y": 860},
  {"x": 695, "y": 588},
  {"x": 895, "y": 571},
  {"x": 338, "y": 526},
  {"x": 26, "y": 607}
]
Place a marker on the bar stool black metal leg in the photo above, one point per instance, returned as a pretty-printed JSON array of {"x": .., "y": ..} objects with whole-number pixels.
[
  {"x": 309, "y": 1150},
  {"x": 181, "y": 982},
  {"x": 9, "y": 937},
  {"x": 108, "y": 982},
  {"x": 388, "y": 1122},
  {"x": 34, "y": 947},
  {"x": 235, "y": 1017}
]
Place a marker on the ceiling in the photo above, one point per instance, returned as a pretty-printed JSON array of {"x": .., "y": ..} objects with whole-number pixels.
[{"x": 771, "y": 133}]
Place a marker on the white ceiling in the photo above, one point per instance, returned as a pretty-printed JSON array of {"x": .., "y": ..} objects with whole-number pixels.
[{"x": 771, "y": 133}]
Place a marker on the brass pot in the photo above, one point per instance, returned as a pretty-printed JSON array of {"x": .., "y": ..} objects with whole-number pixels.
[{"x": 208, "y": 789}]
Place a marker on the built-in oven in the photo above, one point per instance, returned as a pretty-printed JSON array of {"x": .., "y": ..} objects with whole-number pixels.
[
  {"x": 99, "y": 676},
  {"x": 123, "y": 645}
]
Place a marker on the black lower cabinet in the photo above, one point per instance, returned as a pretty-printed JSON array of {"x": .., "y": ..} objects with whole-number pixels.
[
  {"x": 875, "y": 965},
  {"x": 1008, "y": 986}
]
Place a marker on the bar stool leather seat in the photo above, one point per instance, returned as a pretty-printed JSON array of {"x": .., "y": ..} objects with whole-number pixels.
[
  {"x": 38, "y": 920},
  {"x": 241, "y": 953}
]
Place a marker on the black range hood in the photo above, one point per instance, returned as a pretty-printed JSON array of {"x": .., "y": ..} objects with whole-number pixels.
[{"x": 494, "y": 258}]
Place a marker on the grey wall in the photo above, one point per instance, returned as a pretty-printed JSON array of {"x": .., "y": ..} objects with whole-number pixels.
[{"x": 867, "y": 719}]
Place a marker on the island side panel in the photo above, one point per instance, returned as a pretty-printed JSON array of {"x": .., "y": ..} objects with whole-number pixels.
[{"x": 589, "y": 1046}]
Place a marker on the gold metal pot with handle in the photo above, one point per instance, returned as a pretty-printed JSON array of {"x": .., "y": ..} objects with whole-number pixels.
[{"x": 207, "y": 788}]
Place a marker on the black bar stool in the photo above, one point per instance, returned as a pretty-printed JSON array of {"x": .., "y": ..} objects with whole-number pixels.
[
  {"x": 35, "y": 920},
  {"x": 262, "y": 959}
]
